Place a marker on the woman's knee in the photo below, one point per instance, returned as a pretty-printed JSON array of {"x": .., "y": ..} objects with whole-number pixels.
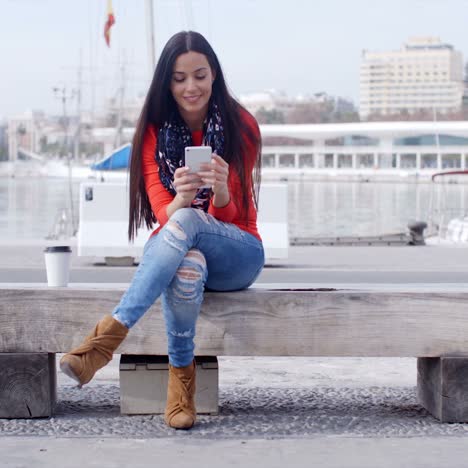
[{"x": 184, "y": 220}]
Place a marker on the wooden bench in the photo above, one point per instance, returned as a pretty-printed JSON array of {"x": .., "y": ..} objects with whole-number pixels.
[{"x": 429, "y": 322}]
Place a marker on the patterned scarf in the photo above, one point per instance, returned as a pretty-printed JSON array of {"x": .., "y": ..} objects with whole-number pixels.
[{"x": 174, "y": 136}]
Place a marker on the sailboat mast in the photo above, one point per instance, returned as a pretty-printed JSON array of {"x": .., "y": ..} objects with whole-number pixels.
[
  {"x": 118, "y": 135},
  {"x": 76, "y": 141},
  {"x": 150, "y": 37},
  {"x": 437, "y": 140}
]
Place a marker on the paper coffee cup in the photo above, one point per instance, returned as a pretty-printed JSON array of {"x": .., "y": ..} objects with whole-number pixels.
[{"x": 57, "y": 260}]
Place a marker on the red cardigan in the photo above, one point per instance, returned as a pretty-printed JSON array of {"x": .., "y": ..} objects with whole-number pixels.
[{"x": 159, "y": 197}]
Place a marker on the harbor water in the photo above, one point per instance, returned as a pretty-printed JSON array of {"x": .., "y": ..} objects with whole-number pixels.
[{"x": 30, "y": 207}]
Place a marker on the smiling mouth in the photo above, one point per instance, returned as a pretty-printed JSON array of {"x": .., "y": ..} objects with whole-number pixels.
[{"x": 191, "y": 98}]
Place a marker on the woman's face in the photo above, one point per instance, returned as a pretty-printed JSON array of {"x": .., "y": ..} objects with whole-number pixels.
[{"x": 191, "y": 84}]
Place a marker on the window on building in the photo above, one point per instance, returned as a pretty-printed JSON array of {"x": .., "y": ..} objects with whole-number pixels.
[
  {"x": 306, "y": 160},
  {"x": 328, "y": 160},
  {"x": 451, "y": 161},
  {"x": 428, "y": 161},
  {"x": 345, "y": 161},
  {"x": 408, "y": 161},
  {"x": 386, "y": 160},
  {"x": 268, "y": 160},
  {"x": 286, "y": 160},
  {"x": 365, "y": 161}
]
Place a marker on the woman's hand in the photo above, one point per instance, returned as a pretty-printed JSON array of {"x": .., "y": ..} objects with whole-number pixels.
[
  {"x": 216, "y": 174},
  {"x": 186, "y": 185}
]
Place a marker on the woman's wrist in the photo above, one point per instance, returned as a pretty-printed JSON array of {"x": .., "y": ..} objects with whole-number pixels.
[
  {"x": 181, "y": 202},
  {"x": 177, "y": 203},
  {"x": 221, "y": 199}
]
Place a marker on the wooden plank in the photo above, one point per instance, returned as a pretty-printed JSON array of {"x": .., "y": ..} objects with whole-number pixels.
[
  {"x": 258, "y": 322},
  {"x": 27, "y": 385},
  {"x": 429, "y": 385},
  {"x": 119, "y": 288},
  {"x": 443, "y": 386}
]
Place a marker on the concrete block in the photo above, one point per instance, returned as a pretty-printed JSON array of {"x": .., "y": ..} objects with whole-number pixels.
[
  {"x": 443, "y": 387},
  {"x": 28, "y": 385},
  {"x": 143, "y": 384}
]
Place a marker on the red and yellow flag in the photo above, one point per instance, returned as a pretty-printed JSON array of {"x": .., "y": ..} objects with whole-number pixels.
[{"x": 109, "y": 22}]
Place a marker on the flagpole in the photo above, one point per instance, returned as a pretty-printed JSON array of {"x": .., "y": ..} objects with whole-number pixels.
[{"x": 150, "y": 37}]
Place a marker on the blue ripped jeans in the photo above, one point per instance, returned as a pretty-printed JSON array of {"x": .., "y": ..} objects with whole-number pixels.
[{"x": 191, "y": 251}]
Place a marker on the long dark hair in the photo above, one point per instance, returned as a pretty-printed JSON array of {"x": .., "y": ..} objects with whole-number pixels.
[{"x": 160, "y": 104}]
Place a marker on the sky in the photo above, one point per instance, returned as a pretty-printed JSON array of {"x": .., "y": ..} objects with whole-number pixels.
[{"x": 295, "y": 46}]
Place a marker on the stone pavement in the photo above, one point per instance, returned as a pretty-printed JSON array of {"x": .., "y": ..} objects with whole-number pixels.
[
  {"x": 335, "y": 412},
  {"x": 323, "y": 452},
  {"x": 272, "y": 398}
]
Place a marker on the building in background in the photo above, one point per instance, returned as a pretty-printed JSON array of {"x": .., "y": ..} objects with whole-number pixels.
[
  {"x": 276, "y": 107},
  {"x": 465, "y": 94},
  {"x": 127, "y": 112},
  {"x": 268, "y": 100},
  {"x": 22, "y": 134},
  {"x": 426, "y": 74},
  {"x": 3, "y": 141}
]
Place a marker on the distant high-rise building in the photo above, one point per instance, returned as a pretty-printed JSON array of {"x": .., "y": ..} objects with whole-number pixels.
[
  {"x": 465, "y": 94},
  {"x": 425, "y": 74}
]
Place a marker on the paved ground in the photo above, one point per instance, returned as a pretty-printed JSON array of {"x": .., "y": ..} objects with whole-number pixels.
[
  {"x": 424, "y": 264},
  {"x": 275, "y": 412},
  {"x": 329, "y": 452}
]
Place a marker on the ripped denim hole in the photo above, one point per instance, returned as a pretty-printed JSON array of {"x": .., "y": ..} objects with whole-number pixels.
[
  {"x": 169, "y": 240},
  {"x": 185, "y": 294},
  {"x": 196, "y": 257},
  {"x": 184, "y": 334},
  {"x": 188, "y": 274},
  {"x": 174, "y": 228}
]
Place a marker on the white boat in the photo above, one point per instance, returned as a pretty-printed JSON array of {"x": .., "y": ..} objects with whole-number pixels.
[
  {"x": 448, "y": 223},
  {"x": 104, "y": 212}
]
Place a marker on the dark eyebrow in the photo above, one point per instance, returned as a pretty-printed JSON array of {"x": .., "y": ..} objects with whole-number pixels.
[{"x": 196, "y": 71}]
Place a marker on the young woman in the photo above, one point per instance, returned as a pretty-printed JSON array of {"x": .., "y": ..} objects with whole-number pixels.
[{"x": 206, "y": 237}]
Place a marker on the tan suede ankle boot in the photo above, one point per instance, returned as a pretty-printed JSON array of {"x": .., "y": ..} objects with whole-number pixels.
[
  {"x": 95, "y": 352},
  {"x": 180, "y": 407}
]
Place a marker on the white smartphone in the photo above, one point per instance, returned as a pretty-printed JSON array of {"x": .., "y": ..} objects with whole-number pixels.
[{"x": 195, "y": 156}]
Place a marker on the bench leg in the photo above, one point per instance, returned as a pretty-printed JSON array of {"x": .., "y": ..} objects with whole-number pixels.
[
  {"x": 443, "y": 387},
  {"x": 143, "y": 384},
  {"x": 28, "y": 385}
]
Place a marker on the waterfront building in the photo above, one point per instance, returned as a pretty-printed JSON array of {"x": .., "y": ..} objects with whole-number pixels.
[
  {"x": 426, "y": 74},
  {"x": 358, "y": 150},
  {"x": 373, "y": 150}
]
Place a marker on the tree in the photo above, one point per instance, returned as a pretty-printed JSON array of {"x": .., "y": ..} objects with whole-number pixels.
[
  {"x": 273, "y": 116},
  {"x": 305, "y": 112},
  {"x": 345, "y": 111},
  {"x": 326, "y": 109}
]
